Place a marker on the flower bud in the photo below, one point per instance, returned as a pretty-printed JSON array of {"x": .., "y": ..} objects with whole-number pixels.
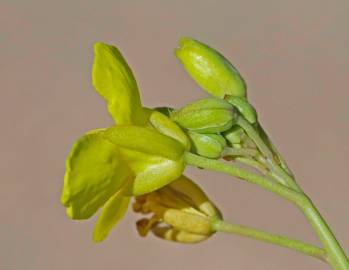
[
  {"x": 244, "y": 107},
  {"x": 234, "y": 135},
  {"x": 207, "y": 145},
  {"x": 180, "y": 212},
  {"x": 208, "y": 115},
  {"x": 211, "y": 70}
]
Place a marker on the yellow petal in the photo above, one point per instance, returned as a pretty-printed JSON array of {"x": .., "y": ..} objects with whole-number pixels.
[
  {"x": 152, "y": 172},
  {"x": 94, "y": 172},
  {"x": 112, "y": 212},
  {"x": 114, "y": 81},
  {"x": 145, "y": 140},
  {"x": 171, "y": 234}
]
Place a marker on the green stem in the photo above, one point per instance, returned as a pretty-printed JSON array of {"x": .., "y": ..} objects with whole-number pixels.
[
  {"x": 228, "y": 151},
  {"x": 215, "y": 165},
  {"x": 263, "y": 147},
  {"x": 308, "y": 249},
  {"x": 336, "y": 256},
  {"x": 252, "y": 163}
]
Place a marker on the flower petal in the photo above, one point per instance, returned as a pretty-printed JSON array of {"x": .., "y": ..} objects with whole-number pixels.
[
  {"x": 114, "y": 81},
  {"x": 152, "y": 172},
  {"x": 114, "y": 210},
  {"x": 94, "y": 172},
  {"x": 145, "y": 140}
]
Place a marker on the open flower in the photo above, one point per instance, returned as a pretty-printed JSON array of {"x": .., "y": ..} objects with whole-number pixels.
[{"x": 141, "y": 153}]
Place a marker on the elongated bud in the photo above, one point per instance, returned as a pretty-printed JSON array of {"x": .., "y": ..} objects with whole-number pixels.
[
  {"x": 209, "y": 115},
  {"x": 244, "y": 107},
  {"x": 180, "y": 212},
  {"x": 207, "y": 145},
  {"x": 211, "y": 70}
]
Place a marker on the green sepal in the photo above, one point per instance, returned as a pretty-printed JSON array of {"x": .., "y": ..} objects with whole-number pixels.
[
  {"x": 94, "y": 172},
  {"x": 244, "y": 107},
  {"x": 114, "y": 81},
  {"x": 206, "y": 104},
  {"x": 209, "y": 115},
  {"x": 211, "y": 70}
]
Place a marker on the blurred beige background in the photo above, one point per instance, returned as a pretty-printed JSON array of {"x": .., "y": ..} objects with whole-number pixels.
[{"x": 294, "y": 56}]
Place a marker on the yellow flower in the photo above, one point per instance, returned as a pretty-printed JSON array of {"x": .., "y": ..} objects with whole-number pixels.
[{"x": 141, "y": 153}]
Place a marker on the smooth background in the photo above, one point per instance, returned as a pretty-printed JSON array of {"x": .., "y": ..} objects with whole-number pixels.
[{"x": 294, "y": 56}]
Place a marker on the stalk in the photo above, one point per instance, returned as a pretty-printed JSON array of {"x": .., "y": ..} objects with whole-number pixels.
[{"x": 279, "y": 240}]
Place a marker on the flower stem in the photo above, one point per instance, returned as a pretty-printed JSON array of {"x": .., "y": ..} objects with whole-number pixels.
[
  {"x": 239, "y": 152},
  {"x": 215, "y": 165},
  {"x": 308, "y": 249},
  {"x": 336, "y": 255},
  {"x": 284, "y": 178}
]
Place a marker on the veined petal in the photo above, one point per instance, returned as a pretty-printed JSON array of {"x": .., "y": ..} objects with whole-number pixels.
[
  {"x": 152, "y": 172},
  {"x": 114, "y": 81},
  {"x": 114, "y": 210},
  {"x": 94, "y": 172},
  {"x": 145, "y": 140}
]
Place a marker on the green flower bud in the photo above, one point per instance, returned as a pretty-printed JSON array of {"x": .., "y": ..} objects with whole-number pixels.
[
  {"x": 244, "y": 107},
  {"x": 211, "y": 70},
  {"x": 207, "y": 145},
  {"x": 234, "y": 135},
  {"x": 209, "y": 115}
]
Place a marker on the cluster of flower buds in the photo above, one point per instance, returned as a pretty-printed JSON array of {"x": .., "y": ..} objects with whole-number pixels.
[
  {"x": 179, "y": 212},
  {"x": 211, "y": 123}
]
